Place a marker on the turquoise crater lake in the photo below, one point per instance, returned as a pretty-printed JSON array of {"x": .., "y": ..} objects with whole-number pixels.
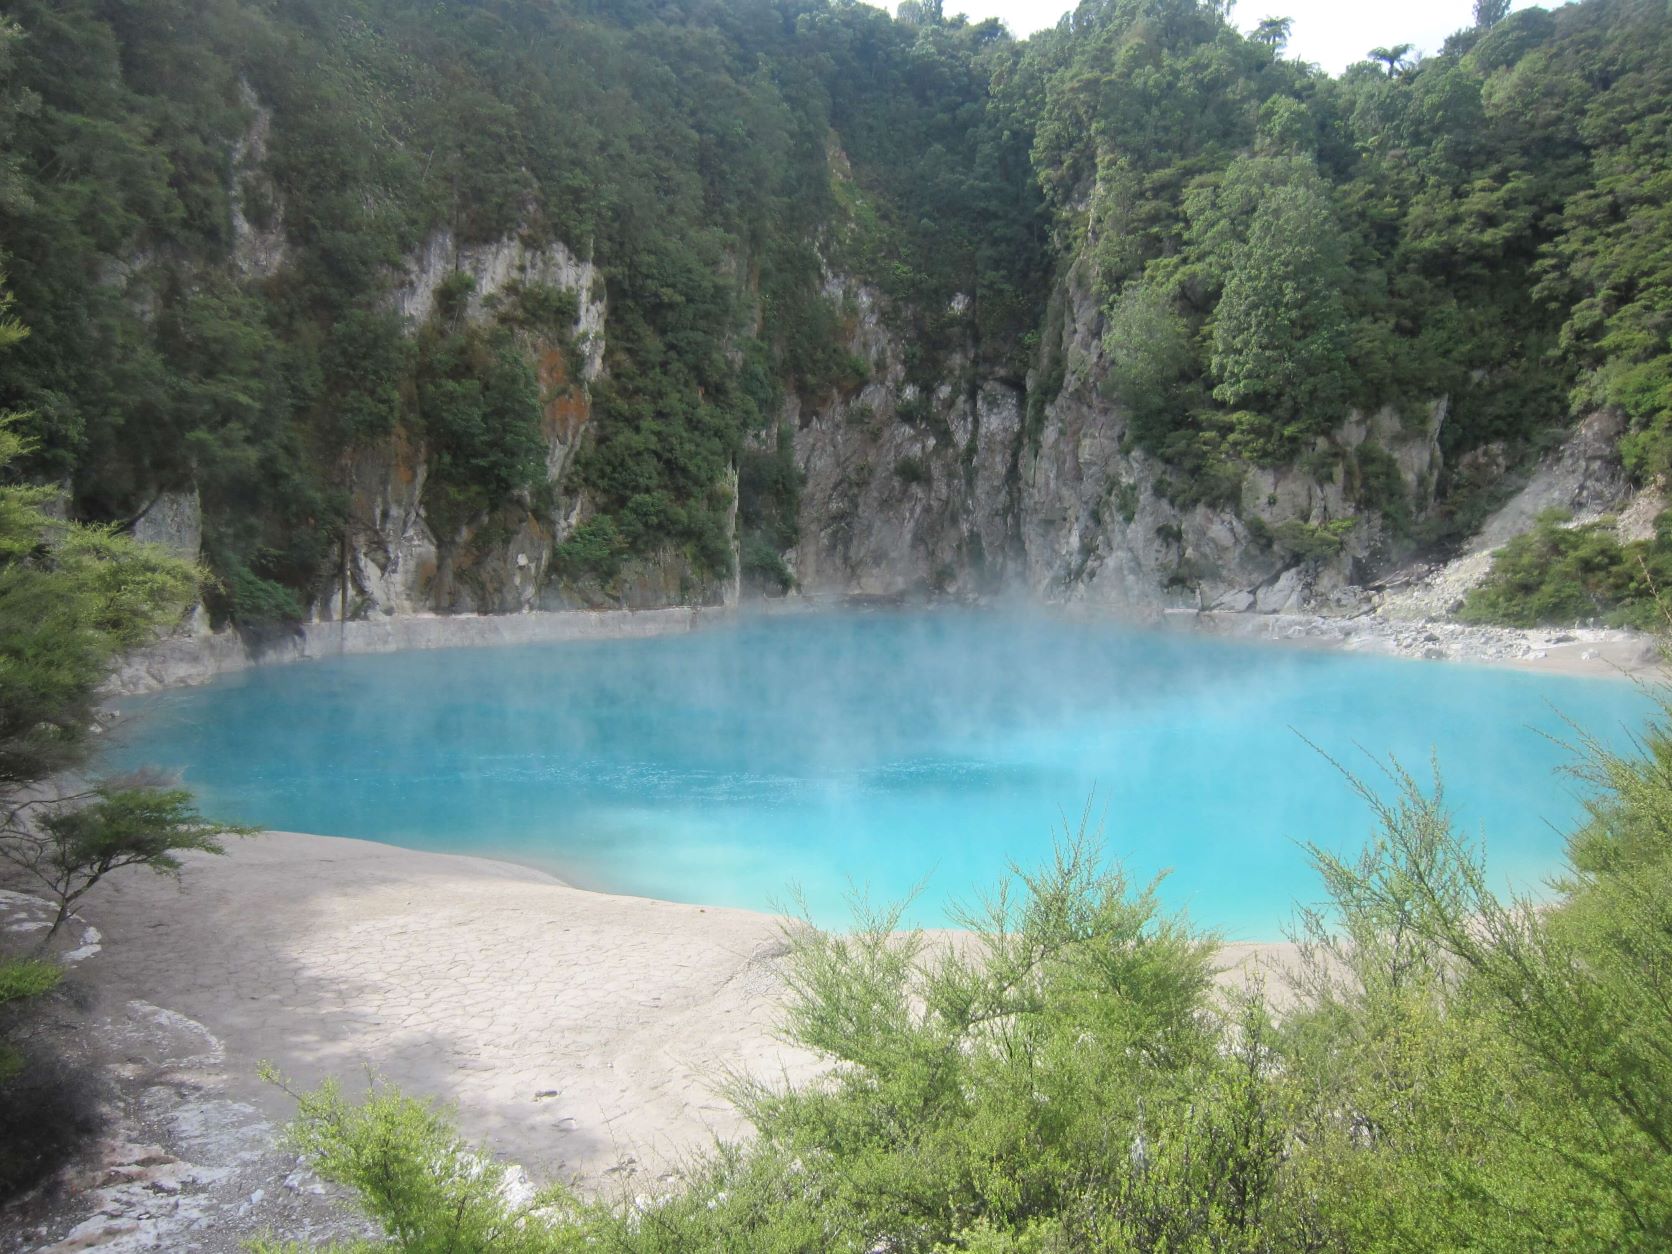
[{"x": 883, "y": 750}]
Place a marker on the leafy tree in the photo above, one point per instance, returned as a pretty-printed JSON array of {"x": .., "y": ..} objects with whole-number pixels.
[
  {"x": 1151, "y": 355},
  {"x": 1395, "y": 58},
  {"x": 1280, "y": 331},
  {"x": 1273, "y": 32},
  {"x": 72, "y": 599},
  {"x": 79, "y": 840},
  {"x": 479, "y": 404},
  {"x": 1488, "y": 13}
]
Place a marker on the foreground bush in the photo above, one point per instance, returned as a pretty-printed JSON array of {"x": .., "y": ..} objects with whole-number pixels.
[
  {"x": 73, "y": 599},
  {"x": 1456, "y": 1071}
]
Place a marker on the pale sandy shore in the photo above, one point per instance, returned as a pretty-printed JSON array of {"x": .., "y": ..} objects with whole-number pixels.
[
  {"x": 580, "y": 1034},
  {"x": 1581, "y": 652}
]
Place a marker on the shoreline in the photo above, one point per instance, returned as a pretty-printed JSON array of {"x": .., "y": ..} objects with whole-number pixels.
[
  {"x": 193, "y": 658},
  {"x": 577, "y": 1032},
  {"x": 582, "y": 1035},
  {"x": 1576, "y": 652}
]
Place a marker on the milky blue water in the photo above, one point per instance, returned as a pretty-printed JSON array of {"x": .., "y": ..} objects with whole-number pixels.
[{"x": 881, "y": 751}]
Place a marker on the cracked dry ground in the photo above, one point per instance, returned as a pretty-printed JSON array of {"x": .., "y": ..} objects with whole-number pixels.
[{"x": 580, "y": 1035}]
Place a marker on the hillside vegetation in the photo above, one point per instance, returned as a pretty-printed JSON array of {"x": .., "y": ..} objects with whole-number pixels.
[
  {"x": 1271, "y": 247},
  {"x": 1557, "y": 575}
]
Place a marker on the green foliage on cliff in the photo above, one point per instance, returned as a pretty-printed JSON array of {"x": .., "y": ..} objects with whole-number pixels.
[
  {"x": 73, "y": 599},
  {"x": 1561, "y": 576},
  {"x": 478, "y": 404},
  {"x": 1279, "y": 331},
  {"x": 1441, "y": 1068},
  {"x": 208, "y": 207},
  {"x": 1485, "y": 225},
  {"x": 1305, "y": 541}
]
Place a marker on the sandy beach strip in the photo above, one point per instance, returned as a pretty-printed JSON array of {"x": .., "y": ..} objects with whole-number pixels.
[
  {"x": 1580, "y": 652},
  {"x": 579, "y": 1034}
]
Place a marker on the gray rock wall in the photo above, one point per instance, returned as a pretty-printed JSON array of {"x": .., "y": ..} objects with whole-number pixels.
[
  {"x": 911, "y": 486},
  {"x": 948, "y": 492},
  {"x": 906, "y": 490},
  {"x": 395, "y": 562},
  {"x": 175, "y": 521}
]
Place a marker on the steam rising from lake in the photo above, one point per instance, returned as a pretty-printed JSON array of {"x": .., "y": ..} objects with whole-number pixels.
[{"x": 880, "y": 750}]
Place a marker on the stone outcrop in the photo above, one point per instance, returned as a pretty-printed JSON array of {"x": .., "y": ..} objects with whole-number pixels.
[
  {"x": 173, "y": 520},
  {"x": 1098, "y": 525},
  {"x": 493, "y": 267},
  {"x": 950, "y": 491},
  {"x": 394, "y": 561},
  {"x": 962, "y": 480},
  {"x": 906, "y": 490},
  {"x": 1583, "y": 476},
  {"x": 258, "y": 235}
]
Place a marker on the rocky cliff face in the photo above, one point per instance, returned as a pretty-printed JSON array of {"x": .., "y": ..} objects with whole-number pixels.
[
  {"x": 959, "y": 487},
  {"x": 906, "y": 490},
  {"x": 395, "y": 563},
  {"x": 258, "y": 238},
  {"x": 1099, "y": 524},
  {"x": 395, "y": 559},
  {"x": 951, "y": 491},
  {"x": 1583, "y": 476}
]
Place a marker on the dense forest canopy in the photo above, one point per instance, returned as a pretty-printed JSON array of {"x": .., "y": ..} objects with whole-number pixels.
[{"x": 1271, "y": 246}]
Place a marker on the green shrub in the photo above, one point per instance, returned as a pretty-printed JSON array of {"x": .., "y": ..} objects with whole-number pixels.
[
  {"x": 479, "y": 404},
  {"x": 594, "y": 550},
  {"x": 911, "y": 470},
  {"x": 252, "y": 600},
  {"x": 1379, "y": 485},
  {"x": 769, "y": 493},
  {"x": 538, "y": 307},
  {"x": 764, "y": 569},
  {"x": 1311, "y": 542},
  {"x": 425, "y": 1189},
  {"x": 1557, "y": 575},
  {"x": 452, "y": 295}
]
